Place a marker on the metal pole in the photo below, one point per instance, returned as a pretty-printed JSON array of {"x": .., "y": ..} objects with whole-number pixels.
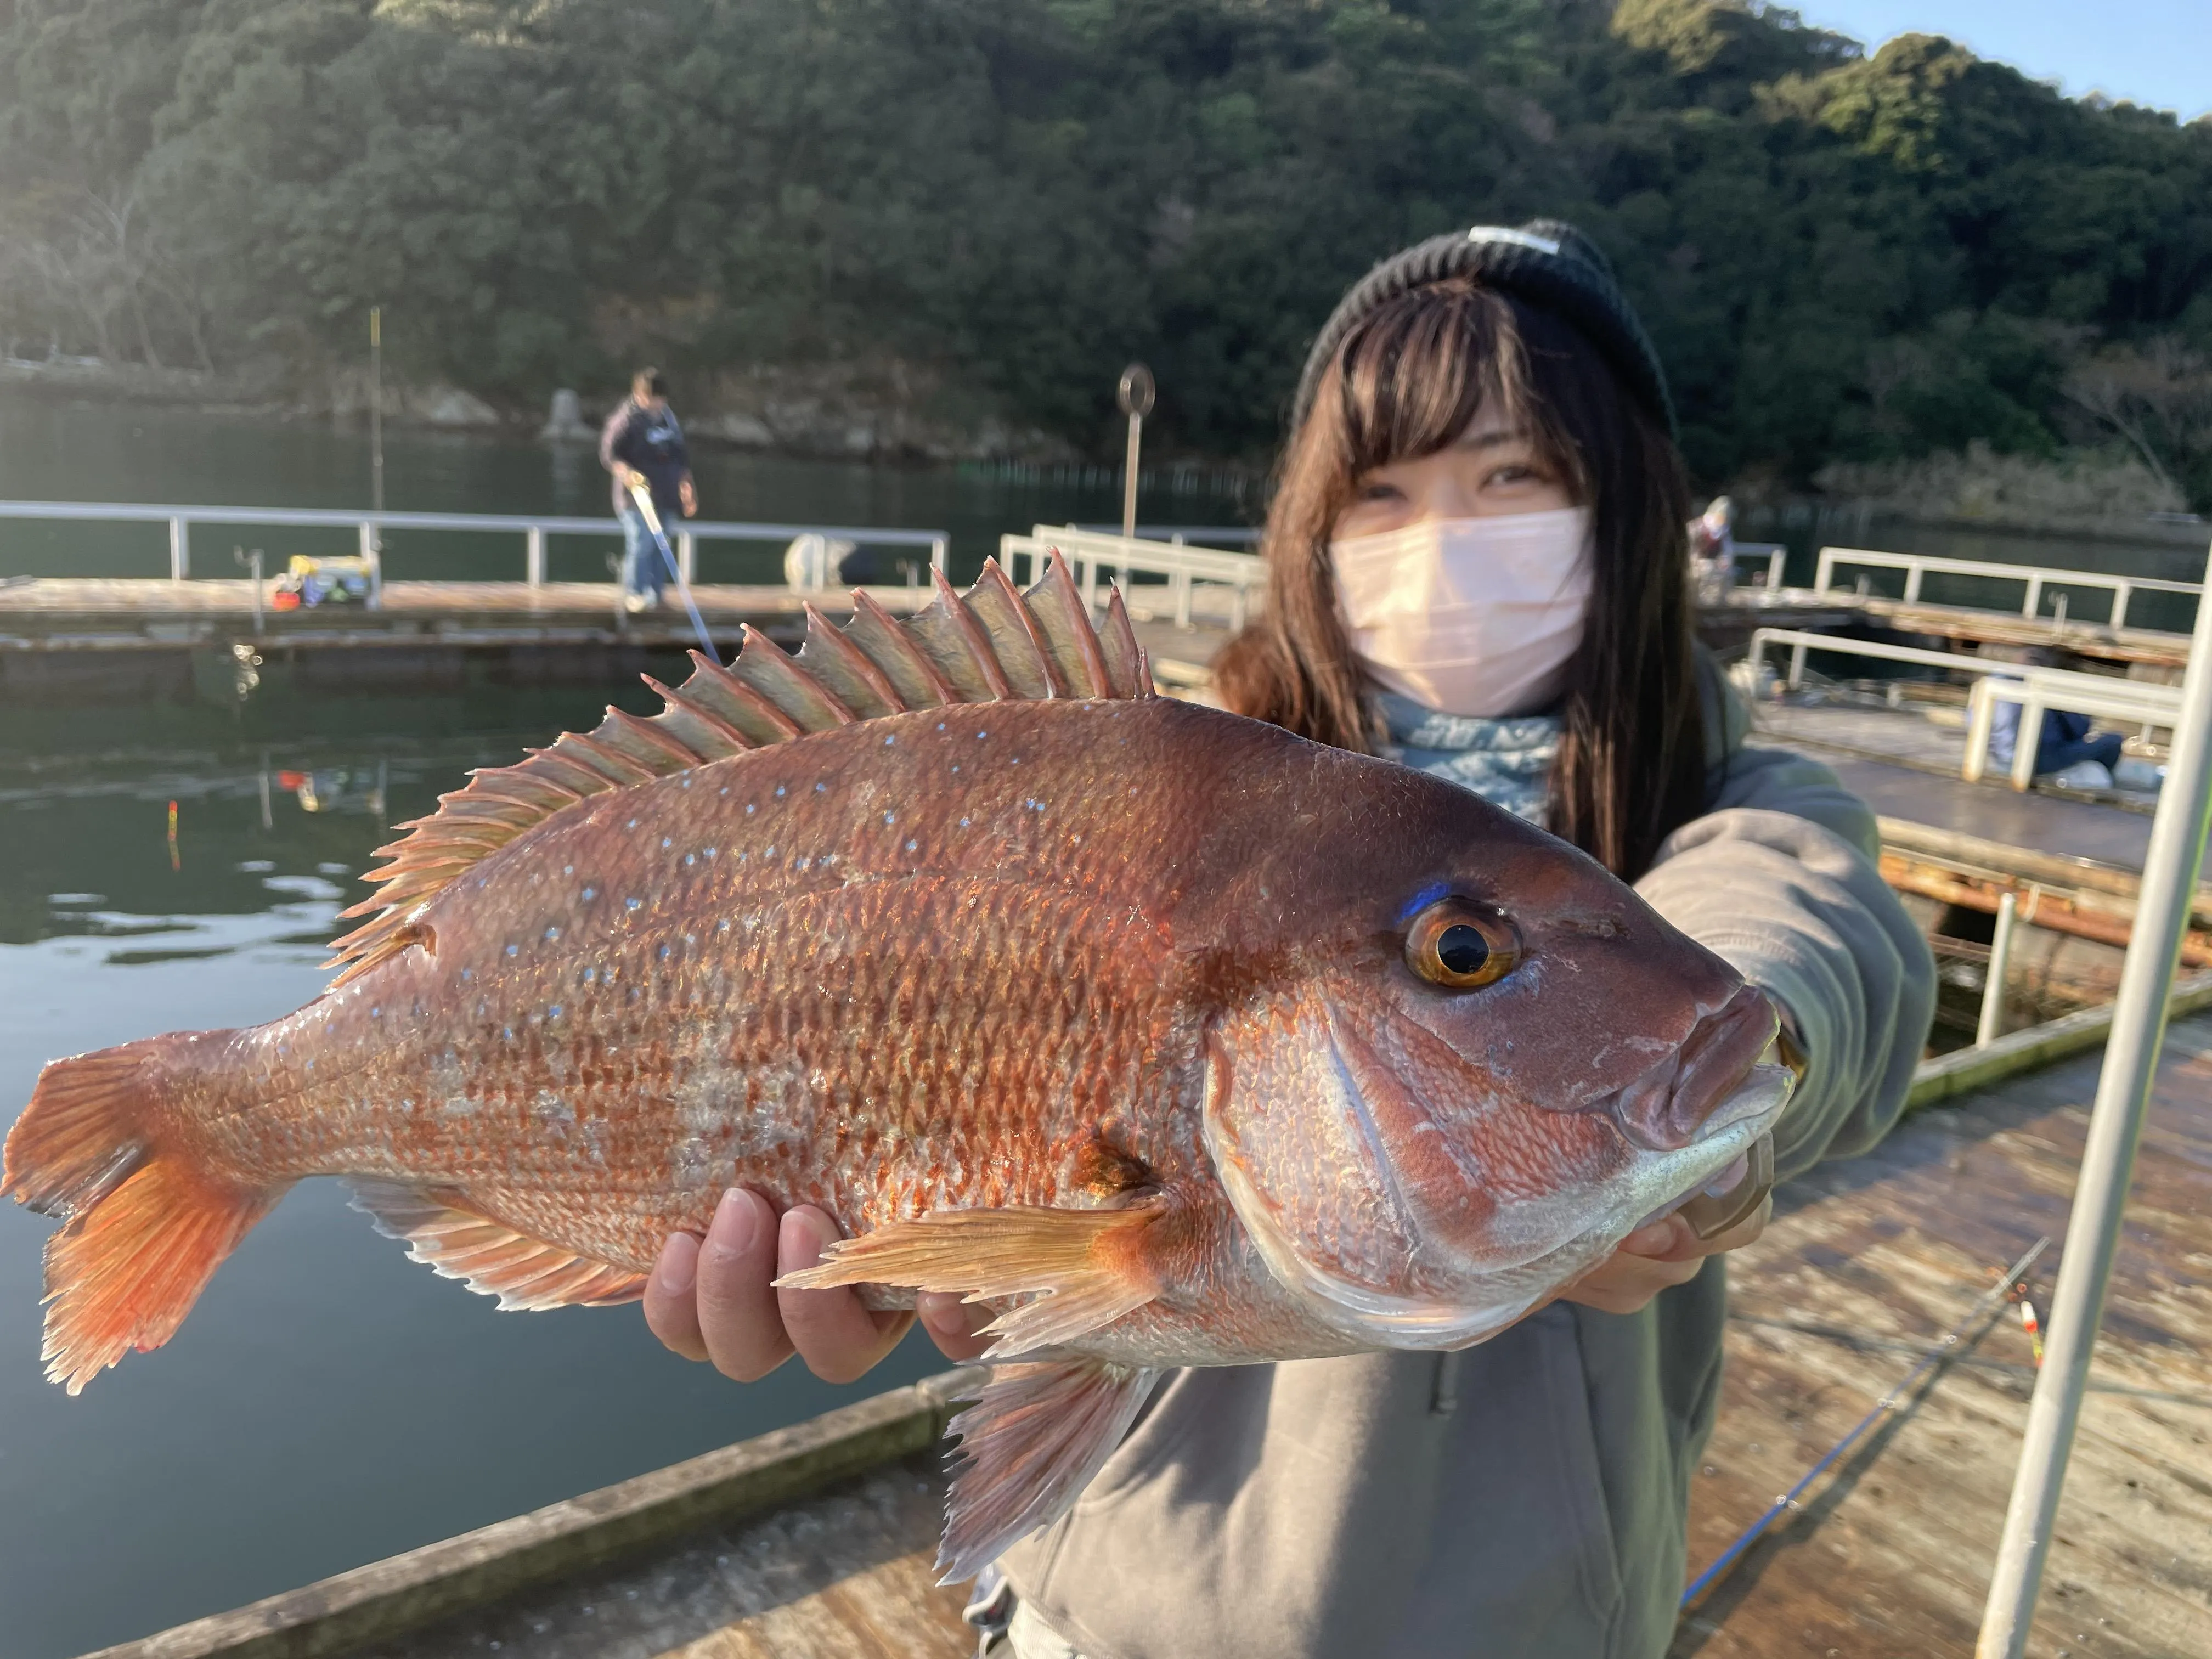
[
  {"x": 2093, "y": 1230},
  {"x": 1993, "y": 988},
  {"x": 376, "y": 413},
  {"x": 1129, "y": 479},
  {"x": 534, "y": 556},
  {"x": 180, "y": 550}
]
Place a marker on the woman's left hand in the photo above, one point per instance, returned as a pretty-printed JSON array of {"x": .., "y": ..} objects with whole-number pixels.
[{"x": 1651, "y": 1258}]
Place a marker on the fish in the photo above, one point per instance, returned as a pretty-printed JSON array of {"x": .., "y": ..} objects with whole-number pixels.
[{"x": 1174, "y": 1038}]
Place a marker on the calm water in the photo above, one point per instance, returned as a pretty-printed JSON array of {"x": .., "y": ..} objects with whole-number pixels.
[{"x": 328, "y": 1403}]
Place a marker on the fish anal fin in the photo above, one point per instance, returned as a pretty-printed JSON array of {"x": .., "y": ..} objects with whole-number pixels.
[
  {"x": 991, "y": 644},
  {"x": 489, "y": 1257},
  {"x": 1030, "y": 1443},
  {"x": 1075, "y": 1269}
]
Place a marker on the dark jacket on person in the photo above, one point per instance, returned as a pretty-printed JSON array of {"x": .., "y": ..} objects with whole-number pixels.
[
  {"x": 1525, "y": 1498},
  {"x": 652, "y": 442}
]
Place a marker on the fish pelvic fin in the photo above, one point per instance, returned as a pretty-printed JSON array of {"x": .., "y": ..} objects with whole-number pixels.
[
  {"x": 145, "y": 1224},
  {"x": 492, "y": 1259},
  {"x": 992, "y": 643},
  {"x": 1075, "y": 1270},
  {"x": 1030, "y": 1444}
]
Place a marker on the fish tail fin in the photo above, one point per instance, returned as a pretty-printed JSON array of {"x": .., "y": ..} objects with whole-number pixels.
[{"x": 145, "y": 1224}]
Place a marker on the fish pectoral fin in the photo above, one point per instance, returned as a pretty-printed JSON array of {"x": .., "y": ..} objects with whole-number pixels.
[
  {"x": 1029, "y": 1446},
  {"x": 1079, "y": 1269},
  {"x": 489, "y": 1257}
]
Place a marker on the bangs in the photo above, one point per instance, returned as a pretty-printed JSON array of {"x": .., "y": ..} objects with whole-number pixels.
[{"x": 1412, "y": 375}]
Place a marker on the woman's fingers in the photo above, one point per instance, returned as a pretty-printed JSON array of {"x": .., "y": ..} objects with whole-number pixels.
[
  {"x": 738, "y": 1318},
  {"x": 1652, "y": 1258},
  {"x": 672, "y": 1309},
  {"x": 837, "y": 1337},
  {"x": 953, "y": 1325}
]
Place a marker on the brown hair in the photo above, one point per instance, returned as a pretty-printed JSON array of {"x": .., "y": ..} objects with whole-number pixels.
[{"x": 1406, "y": 382}]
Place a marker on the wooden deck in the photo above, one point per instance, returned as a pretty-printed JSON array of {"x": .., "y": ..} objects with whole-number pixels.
[{"x": 816, "y": 1543}]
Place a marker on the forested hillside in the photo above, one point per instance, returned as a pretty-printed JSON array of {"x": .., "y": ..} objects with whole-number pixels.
[{"x": 1842, "y": 257}]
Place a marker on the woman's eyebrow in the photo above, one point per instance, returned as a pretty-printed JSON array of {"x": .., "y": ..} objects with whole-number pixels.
[{"x": 1493, "y": 439}]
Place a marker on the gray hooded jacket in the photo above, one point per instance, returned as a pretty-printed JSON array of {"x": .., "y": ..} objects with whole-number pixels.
[{"x": 1526, "y": 1497}]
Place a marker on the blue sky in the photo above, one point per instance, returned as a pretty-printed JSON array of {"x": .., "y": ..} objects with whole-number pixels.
[{"x": 2157, "y": 53}]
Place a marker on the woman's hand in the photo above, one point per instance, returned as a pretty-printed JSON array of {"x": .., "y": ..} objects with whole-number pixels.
[
  {"x": 713, "y": 1299},
  {"x": 688, "y": 493},
  {"x": 1653, "y": 1258}
]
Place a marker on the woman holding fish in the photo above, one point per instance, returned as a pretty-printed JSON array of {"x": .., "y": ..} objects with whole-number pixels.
[{"x": 1476, "y": 569}]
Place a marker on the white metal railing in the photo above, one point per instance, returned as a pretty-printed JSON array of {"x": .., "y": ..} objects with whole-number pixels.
[
  {"x": 2139, "y": 703},
  {"x": 1177, "y": 535},
  {"x": 368, "y": 528},
  {"x": 1183, "y": 565},
  {"x": 1917, "y": 566},
  {"x": 1800, "y": 642}
]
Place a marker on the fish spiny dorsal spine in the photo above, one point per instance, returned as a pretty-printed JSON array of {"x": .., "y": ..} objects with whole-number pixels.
[{"x": 992, "y": 644}]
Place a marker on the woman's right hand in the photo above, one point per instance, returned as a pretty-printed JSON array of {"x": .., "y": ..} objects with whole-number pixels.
[{"x": 713, "y": 1299}]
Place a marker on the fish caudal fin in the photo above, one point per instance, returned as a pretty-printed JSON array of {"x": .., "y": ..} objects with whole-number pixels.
[
  {"x": 1079, "y": 1269},
  {"x": 144, "y": 1226},
  {"x": 1028, "y": 1445}
]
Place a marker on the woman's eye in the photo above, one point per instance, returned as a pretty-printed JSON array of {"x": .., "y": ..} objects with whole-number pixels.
[
  {"x": 1461, "y": 945},
  {"x": 1512, "y": 475},
  {"x": 1377, "y": 491}
]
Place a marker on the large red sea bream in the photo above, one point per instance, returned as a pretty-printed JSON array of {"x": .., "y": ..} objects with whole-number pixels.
[{"x": 1179, "y": 1040}]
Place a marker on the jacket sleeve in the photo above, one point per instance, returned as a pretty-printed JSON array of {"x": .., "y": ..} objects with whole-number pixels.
[
  {"x": 614, "y": 437},
  {"x": 1780, "y": 879}
]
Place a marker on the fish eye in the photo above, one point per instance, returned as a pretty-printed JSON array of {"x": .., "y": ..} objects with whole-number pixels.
[{"x": 1461, "y": 945}]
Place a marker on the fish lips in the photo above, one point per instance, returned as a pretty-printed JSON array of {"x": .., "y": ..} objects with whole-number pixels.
[{"x": 1343, "y": 1177}]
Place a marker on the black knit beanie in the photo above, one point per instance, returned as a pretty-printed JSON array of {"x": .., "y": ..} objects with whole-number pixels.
[{"x": 1547, "y": 263}]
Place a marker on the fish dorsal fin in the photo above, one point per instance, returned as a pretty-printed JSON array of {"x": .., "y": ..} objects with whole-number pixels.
[{"x": 992, "y": 643}]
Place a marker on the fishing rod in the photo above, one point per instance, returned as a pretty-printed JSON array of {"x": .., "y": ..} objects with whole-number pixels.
[
  {"x": 641, "y": 493},
  {"x": 1940, "y": 1352}
]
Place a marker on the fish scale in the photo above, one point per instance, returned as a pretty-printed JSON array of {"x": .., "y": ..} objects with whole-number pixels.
[{"x": 1111, "y": 1012}]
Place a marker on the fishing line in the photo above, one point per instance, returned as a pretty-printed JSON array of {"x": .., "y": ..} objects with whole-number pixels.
[
  {"x": 641, "y": 493},
  {"x": 1782, "y": 1505}
]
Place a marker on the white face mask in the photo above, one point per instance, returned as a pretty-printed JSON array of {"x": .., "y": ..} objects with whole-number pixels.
[{"x": 1474, "y": 616}]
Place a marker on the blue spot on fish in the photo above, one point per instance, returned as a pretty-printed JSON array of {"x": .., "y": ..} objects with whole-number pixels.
[
  {"x": 514, "y": 949},
  {"x": 552, "y": 933},
  {"x": 1422, "y": 900},
  {"x": 590, "y": 893},
  {"x": 632, "y": 904}
]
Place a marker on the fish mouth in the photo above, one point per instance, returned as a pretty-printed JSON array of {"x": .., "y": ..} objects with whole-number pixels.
[{"x": 1695, "y": 1091}]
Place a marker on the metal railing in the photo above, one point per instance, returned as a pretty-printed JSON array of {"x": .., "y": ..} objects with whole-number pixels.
[
  {"x": 2138, "y": 703},
  {"x": 368, "y": 530},
  {"x": 1801, "y": 642},
  {"x": 1088, "y": 551},
  {"x": 2036, "y": 578}
]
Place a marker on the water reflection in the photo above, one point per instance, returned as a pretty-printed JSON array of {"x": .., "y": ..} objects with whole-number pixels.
[{"x": 328, "y": 1403}]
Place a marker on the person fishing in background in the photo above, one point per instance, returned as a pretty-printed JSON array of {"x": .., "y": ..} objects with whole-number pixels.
[
  {"x": 1477, "y": 566},
  {"x": 643, "y": 439}
]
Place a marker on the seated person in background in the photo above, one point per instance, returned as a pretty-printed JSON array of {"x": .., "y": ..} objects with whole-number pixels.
[
  {"x": 2063, "y": 744},
  {"x": 2064, "y": 741}
]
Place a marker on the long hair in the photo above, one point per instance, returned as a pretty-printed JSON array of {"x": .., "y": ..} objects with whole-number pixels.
[{"x": 1407, "y": 382}]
